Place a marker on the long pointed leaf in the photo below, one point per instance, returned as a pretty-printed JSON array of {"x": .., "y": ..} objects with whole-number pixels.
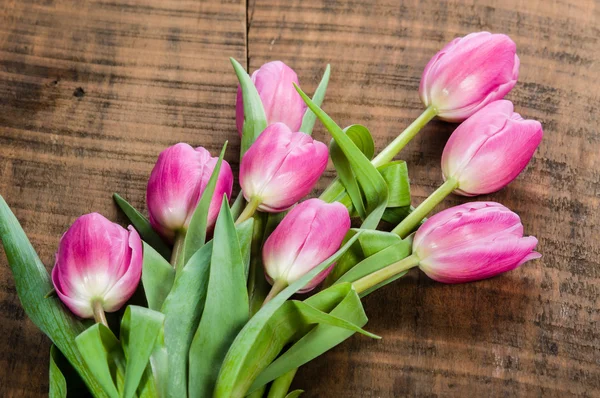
[
  {"x": 183, "y": 308},
  {"x": 233, "y": 378},
  {"x": 58, "y": 384},
  {"x": 255, "y": 120},
  {"x": 142, "y": 225},
  {"x": 157, "y": 278},
  {"x": 371, "y": 182},
  {"x": 139, "y": 330},
  {"x": 309, "y": 119},
  {"x": 362, "y": 138},
  {"x": 102, "y": 353},
  {"x": 226, "y": 308},
  {"x": 319, "y": 340}
]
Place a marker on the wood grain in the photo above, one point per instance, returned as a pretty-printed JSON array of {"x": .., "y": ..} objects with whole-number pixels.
[
  {"x": 534, "y": 331},
  {"x": 90, "y": 92}
]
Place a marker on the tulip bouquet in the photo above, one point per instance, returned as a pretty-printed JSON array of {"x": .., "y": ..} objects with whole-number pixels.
[{"x": 204, "y": 297}]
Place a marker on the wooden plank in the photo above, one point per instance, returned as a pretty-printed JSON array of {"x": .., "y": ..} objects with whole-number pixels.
[
  {"x": 90, "y": 93},
  {"x": 534, "y": 331}
]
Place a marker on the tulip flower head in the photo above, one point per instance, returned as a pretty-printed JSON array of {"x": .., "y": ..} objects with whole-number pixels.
[
  {"x": 98, "y": 263},
  {"x": 281, "y": 167},
  {"x": 309, "y": 234},
  {"x": 176, "y": 185},
  {"x": 274, "y": 82},
  {"x": 490, "y": 149},
  {"x": 468, "y": 73},
  {"x": 472, "y": 241}
]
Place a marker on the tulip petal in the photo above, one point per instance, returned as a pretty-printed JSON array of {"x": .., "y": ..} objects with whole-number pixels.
[
  {"x": 501, "y": 158},
  {"x": 274, "y": 82},
  {"x": 469, "y": 73},
  {"x": 482, "y": 260},
  {"x": 128, "y": 281},
  {"x": 467, "y": 224},
  {"x": 472, "y": 134},
  {"x": 310, "y": 233},
  {"x": 90, "y": 256},
  {"x": 281, "y": 167},
  {"x": 174, "y": 187},
  {"x": 327, "y": 231}
]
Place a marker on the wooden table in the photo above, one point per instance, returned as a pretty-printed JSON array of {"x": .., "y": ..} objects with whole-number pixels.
[{"x": 91, "y": 91}]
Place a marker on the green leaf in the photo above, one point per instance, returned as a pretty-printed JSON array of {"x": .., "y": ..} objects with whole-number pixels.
[
  {"x": 61, "y": 369},
  {"x": 58, "y": 384},
  {"x": 33, "y": 283},
  {"x": 361, "y": 137},
  {"x": 183, "y": 308},
  {"x": 235, "y": 375},
  {"x": 244, "y": 235},
  {"x": 309, "y": 119},
  {"x": 196, "y": 233},
  {"x": 142, "y": 225},
  {"x": 377, "y": 261},
  {"x": 102, "y": 353},
  {"x": 255, "y": 120},
  {"x": 321, "y": 338},
  {"x": 139, "y": 330},
  {"x": 295, "y": 394},
  {"x": 369, "y": 243},
  {"x": 371, "y": 182},
  {"x": 257, "y": 285},
  {"x": 157, "y": 277},
  {"x": 394, "y": 215},
  {"x": 159, "y": 361},
  {"x": 395, "y": 175},
  {"x": 226, "y": 308}
]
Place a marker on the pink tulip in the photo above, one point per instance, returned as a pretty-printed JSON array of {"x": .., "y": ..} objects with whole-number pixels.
[
  {"x": 490, "y": 149},
  {"x": 281, "y": 167},
  {"x": 98, "y": 263},
  {"x": 282, "y": 103},
  {"x": 472, "y": 241},
  {"x": 176, "y": 185},
  {"x": 309, "y": 234},
  {"x": 468, "y": 73}
]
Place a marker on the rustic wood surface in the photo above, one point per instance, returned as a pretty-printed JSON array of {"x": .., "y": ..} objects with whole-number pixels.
[{"x": 91, "y": 91}]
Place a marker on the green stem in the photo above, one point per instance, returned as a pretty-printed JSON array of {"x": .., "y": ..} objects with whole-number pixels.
[
  {"x": 414, "y": 218},
  {"x": 388, "y": 153},
  {"x": 386, "y": 273},
  {"x": 404, "y": 138},
  {"x": 178, "y": 252},
  {"x": 99, "y": 315},
  {"x": 258, "y": 393},
  {"x": 332, "y": 191},
  {"x": 249, "y": 210},
  {"x": 258, "y": 286},
  {"x": 278, "y": 286},
  {"x": 281, "y": 385}
]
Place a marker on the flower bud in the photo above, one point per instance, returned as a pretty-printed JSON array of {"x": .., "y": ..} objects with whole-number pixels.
[
  {"x": 97, "y": 262},
  {"x": 282, "y": 103},
  {"x": 309, "y": 234},
  {"x": 281, "y": 167},
  {"x": 468, "y": 73},
  {"x": 472, "y": 241},
  {"x": 490, "y": 149},
  {"x": 176, "y": 185}
]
